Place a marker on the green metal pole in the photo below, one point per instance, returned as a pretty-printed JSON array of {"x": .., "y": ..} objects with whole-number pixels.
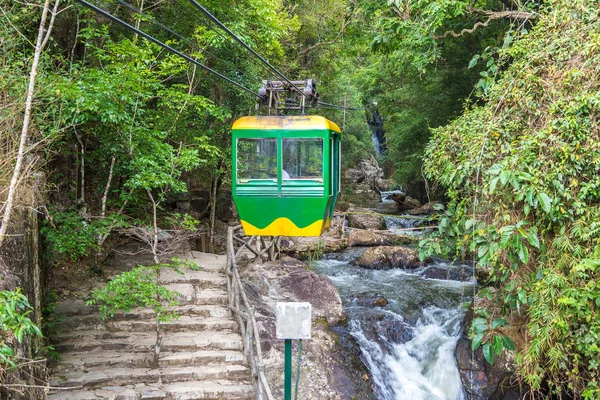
[{"x": 287, "y": 378}]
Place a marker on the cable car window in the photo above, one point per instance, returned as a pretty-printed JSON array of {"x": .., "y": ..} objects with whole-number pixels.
[
  {"x": 302, "y": 159},
  {"x": 256, "y": 159}
]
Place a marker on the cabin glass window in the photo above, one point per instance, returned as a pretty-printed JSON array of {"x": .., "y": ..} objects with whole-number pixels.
[
  {"x": 256, "y": 159},
  {"x": 302, "y": 159}
]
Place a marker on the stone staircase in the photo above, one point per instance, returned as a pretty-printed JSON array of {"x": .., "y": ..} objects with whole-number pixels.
[{"x": 201, "y": 356}]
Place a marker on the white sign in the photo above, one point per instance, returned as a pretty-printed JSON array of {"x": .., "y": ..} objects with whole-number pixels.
[{"x": 293, "y": 320}]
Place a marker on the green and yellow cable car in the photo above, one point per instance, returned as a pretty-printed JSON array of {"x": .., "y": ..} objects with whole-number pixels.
[{"x": 286, "y": 174}]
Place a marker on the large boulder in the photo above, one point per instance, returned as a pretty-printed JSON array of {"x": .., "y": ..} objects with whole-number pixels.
[
  {"x": 387, "y": 185},
  {"x": 386, "y": 329},
  {"x": 462, "y": 273},
  {"x": 329, "y": 371},
  {"x": 363, "y": 218},
  {"x": 364, "y": 237},
  {"x": 388, "y": 257},
  {"x": 404, "y": 202},
  {"x": 481, "y": 380},
  {"x": 367, "y": 171},
  {"x": 425, "y": 209}
]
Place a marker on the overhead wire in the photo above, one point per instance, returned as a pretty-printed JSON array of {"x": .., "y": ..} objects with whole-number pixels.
[
  {"x": 195, "y": 61},
  {"x": 206, "y": 22},
  {"x": 241, "y": 42},
  {"x": 166, "y": 46},
  {"x": 175, "y": 33}
]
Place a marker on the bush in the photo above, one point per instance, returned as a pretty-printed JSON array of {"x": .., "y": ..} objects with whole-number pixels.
[{"x": 523, "y": 177}]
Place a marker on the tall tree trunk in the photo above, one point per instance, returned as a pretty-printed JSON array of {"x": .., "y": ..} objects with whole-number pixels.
[
  {"x": 154, "y": 242},
  {"x": 42, "y": 39}
]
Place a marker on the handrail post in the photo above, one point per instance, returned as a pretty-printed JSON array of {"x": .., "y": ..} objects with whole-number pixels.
[{"x": 287, "y": 378}]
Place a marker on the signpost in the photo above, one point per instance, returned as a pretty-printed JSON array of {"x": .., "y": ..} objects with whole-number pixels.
[{"x": 293, "y": 322}]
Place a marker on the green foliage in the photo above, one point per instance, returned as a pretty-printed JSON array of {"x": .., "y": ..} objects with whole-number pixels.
[
  {"x": 521, "y": 174},
  {"x": 15, "y": 324},
  {"x": 138, "y": 287},
  {"x": 73, "y": 237}
]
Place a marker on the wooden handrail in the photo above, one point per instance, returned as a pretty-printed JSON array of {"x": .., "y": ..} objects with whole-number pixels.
[{"x": 243, "y": 311}]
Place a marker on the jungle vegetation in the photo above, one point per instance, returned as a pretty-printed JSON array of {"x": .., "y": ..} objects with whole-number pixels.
[{"x": 492, "y": 105}]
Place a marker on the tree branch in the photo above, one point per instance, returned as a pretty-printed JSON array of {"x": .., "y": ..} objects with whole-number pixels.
[{"x": 492, "y": 15}]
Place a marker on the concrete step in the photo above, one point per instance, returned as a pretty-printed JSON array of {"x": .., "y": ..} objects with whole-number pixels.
[
  {"x": 207, "y": 261},
  {"x": 115, "y": 359},
  {"x": 209, "y": 390},
  {"x": 144, "y": 341},
  {"x": 92, "y": 321},
  {"x": 182, "y": 324},
  {"x": 97, "y": 378},
  {"x": 192, "y": 390},
  {"x": 201, "y": 279}
]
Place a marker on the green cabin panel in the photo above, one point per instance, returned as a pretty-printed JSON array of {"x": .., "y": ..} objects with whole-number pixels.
[{"x": 285, "y": 174}]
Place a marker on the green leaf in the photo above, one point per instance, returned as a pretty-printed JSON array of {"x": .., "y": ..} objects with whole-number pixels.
[
  {"x": 477, "y": 339},
  {"x": 498, "y": 344},
  {"x": 480, "y": 325},
  {"x": 488, "y": 353},
  {"x": 545, "y": 201},
  {"x": 497, "y": 323},
  {"x": 508, "y": 343},
  {"x": 523, "y": 253}
]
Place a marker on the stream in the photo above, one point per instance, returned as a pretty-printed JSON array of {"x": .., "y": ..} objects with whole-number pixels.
[{"x": 405, "y": 322}]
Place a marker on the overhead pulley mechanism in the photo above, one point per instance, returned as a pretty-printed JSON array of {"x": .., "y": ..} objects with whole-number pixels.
[{"x": 282, "y": 95}]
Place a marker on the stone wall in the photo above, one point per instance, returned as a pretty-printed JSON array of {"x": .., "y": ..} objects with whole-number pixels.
[{"x": 20, "y": 266}]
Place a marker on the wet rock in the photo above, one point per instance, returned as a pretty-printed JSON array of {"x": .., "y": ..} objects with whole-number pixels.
[
  {"x": 461, "y": 273},
  {"x": 363, "y": 218},
  {"x": 482, "y": 381},
  {"x": 426, "y": 209},
  {"x": 370, "y": 300},
  {"x": 388, "y": 257},
  {"x": 404, "y": 202},
  {"x": 367, "y": 171},
  {"x": 387, "y": 329},
  {"x": 364, "y": 237}
]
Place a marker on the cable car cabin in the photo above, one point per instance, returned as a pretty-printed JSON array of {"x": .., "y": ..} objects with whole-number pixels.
[{"x": 286, "y": 174}]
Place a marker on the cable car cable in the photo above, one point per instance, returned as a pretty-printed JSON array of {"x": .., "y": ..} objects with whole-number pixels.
[
  {"x": 187, "y": 5},
  {"x": 261, "y": 58},
  {"x": 240, "y": 41},
  {"x": 175, "y": 33},
  {"x": 166, "y": 46}
]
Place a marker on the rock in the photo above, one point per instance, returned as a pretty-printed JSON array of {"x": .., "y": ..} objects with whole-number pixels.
[
  {"x": 388, "y": 257},
  {"x": 363, "y": 218},
  {"x": 461, "y": 273},
  {"x": 317, "y": 289},
  {"x": 364, "y": 237},
  {"x": 312, "y": 247},
  {"x": 426, "y": 209},
  {"x": 481, "y": 380},
  {"x": 367, "y": 171},
  {"x": 387, "y": 329},
  {"x": 404, "y": 202},
  {"x": 328, "y": 371},
  {"x": 370, "y": 300},
  {"x": 386, "y": 185}
]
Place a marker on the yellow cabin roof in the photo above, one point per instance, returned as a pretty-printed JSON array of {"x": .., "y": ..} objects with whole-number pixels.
[{"x": 297, "y": 122}]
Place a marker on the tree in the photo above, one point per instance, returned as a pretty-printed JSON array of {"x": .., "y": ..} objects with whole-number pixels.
[{"x": 138, "y": 287}]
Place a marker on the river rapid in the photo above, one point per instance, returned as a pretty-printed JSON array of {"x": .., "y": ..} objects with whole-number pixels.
[{"x": 406, "y": 324}]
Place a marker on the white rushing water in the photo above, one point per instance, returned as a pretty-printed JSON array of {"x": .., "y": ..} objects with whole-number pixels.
[{"x": 408, "y": 344}]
